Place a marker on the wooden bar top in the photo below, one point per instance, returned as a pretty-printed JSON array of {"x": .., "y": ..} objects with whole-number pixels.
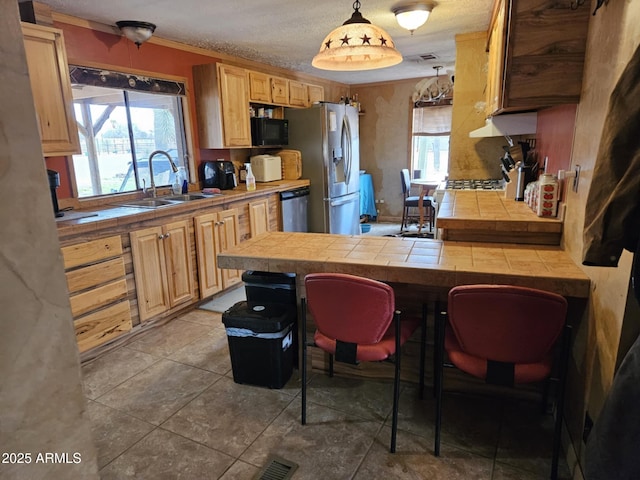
[
  {"x": 426, "y": 262},
  {"x": 471, "y": 215}
]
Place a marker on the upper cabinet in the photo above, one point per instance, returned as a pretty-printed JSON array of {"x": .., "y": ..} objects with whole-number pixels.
[
  {"x": 536, "y": 54},
  {"x": 224, "y": 94},
  {"x": 222, "y": 99},
  {"x": 316, "y": 94},
  {"x": 49, "y": 76},
  {"x": 298, "y": 94},
  {"x": 259, "y": 87},
  {"x": 279, "y": 90}
]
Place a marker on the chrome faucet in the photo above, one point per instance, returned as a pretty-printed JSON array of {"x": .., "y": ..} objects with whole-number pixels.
[{"x": 153, "y": 182}]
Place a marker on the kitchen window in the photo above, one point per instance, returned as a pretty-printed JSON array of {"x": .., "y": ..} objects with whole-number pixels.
[
  {"x": 122, "y": 119},
  {"x": 431, "y": 128}
]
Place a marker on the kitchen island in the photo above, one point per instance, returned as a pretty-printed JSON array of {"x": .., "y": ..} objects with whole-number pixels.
[
  {"x": 487, "y": 216},
  {"x": 434, "y": 264},
  {"x": 419, "y": 270}
]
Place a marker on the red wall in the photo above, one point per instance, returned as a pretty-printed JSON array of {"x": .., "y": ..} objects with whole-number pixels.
[
  {"x": 554, "y": 137},
  {"x": 89, "y": 47}
]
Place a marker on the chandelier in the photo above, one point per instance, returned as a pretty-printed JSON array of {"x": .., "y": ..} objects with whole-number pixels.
[{"x": 356, "y": 45}]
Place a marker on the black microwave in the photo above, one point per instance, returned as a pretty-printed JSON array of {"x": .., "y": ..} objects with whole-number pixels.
[{"x": 269, "y": 131}]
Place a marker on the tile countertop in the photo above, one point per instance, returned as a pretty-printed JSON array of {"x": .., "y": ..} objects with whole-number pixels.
[
  {"x": 431, "y": 263},
  {"x": 111, "y": 215},
  {"x": 489, "y": 212}
]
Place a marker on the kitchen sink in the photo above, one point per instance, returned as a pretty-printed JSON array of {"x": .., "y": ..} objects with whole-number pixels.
[
  {"x": 147, "y": 203},
  {"x": 164, "y": 201},
  {"x": 186, "y": 197}
]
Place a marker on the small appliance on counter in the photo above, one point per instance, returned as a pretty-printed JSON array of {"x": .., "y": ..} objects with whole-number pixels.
[
  {"x": 218, "y": 174},
  {"x": 54, "y": 183},
  {"x": 266, "y": 168}
]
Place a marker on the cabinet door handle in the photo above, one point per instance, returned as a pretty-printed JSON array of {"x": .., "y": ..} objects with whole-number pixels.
[
  {"x": 166, "y": 235},
  {"x": 160, "y": 237}
]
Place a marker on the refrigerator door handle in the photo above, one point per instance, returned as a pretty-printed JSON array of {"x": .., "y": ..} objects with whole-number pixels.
[
  {"x": 345, "y": 140},
  {"x": 335, "y": 202}
]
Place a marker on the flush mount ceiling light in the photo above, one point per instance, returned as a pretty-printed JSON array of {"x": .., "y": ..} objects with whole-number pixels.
[
  {"x": 137, "y": 32},
  {"x": 357, "y": 45},
  {"x": 412, "y": 15}
]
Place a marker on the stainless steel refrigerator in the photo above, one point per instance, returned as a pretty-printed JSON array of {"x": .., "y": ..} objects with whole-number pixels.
[{"x": 328, "y": 138}]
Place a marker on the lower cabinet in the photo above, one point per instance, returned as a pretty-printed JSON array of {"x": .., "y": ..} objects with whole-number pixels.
[
  {"x": 163, "y": 267},
  {"x": 259, "y": 217},
  {"x": 96, "y": 280},
  {"x": 215, "y": 233}
]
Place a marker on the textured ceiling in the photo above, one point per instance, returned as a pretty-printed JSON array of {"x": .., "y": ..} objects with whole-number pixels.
[{"x": 288, "y": 33}]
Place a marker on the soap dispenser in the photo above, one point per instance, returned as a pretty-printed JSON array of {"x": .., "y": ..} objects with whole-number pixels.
[
  {"x": 250, "y": 179},
  {"x": 180, "y": 181}
]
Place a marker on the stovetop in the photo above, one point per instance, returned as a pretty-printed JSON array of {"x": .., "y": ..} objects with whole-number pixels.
[{"x": 490, "y": 184}]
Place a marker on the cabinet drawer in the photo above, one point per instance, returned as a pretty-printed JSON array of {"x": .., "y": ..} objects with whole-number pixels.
[
  {"x": 98, "y": 297},
  {"x": 91, "y": 252},
  {"x": 103, "y": 325}
]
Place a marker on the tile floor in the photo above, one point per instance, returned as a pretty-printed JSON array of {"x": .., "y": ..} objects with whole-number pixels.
[{"x": 165, "y": 406}]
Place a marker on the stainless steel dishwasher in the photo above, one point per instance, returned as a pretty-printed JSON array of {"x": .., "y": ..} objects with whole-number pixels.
[{"x": 294, "y": 209}]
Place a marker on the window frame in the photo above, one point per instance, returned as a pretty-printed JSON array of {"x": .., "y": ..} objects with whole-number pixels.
[{"x": 187, "y": 123}]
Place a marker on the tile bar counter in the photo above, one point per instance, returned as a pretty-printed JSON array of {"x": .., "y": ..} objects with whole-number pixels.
[
  {"x": 487, "y": 216},
  {"x": 419, "y": 270},
  {"x": 429, "y": 263}
]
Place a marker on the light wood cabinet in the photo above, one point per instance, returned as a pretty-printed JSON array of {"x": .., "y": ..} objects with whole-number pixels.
[
  {"x": 51, "y": 88},
  {"x": 222, "y": 99},
  {"x": 298, "y": 94},
  {"x": 163, "y": 267},
  {"x": 259, "y": 217},
  {"x": 316, "y": 94},
  {"x": 280, "y": 90},
  {"x": 259, "y": 87},
  {"x": 96, "y": 280},
  {"x": 496, "y": 46},
  {"x": 215, "y": 233},
  {"x": 536, "y": 54}
]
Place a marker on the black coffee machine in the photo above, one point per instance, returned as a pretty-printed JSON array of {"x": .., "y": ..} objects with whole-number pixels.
[
  {"x": 54, "y": 183},
  {"x": 220, "y": 174}
]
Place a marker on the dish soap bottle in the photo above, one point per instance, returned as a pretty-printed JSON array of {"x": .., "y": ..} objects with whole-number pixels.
[
  {"x": 179, "y": 181},
  {"x": 176, "y": 188},
  {"x": 250, "y": 179}
]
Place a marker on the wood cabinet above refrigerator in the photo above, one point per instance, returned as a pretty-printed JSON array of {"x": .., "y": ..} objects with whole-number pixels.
[{"x": 536, "y": 54}]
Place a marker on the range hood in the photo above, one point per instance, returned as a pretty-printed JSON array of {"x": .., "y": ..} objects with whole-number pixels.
[{"x": 507, "y": 125}]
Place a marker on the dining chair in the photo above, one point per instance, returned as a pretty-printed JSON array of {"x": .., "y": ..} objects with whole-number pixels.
[
  {"x": 504, "y": 335},
  {"x": 356, "y": 321},
  {"x": 412, "y": 201}
]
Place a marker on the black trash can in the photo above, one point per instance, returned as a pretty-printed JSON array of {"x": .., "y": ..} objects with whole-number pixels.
[
  {"x": 260, "y": 340},
  {"x": 274, "y": 287},
  {"x": 270, "y": 287}
]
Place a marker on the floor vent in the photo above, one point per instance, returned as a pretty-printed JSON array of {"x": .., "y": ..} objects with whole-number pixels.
[{"x": 277, "y": 468}]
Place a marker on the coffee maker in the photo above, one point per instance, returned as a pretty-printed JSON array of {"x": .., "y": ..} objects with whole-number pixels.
[
  {"x": 219, "y": 174},
  {"x": 54, "y": 183}
]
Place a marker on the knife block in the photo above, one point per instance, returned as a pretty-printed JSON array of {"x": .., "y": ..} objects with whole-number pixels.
[{"x": 511, "y": 186}]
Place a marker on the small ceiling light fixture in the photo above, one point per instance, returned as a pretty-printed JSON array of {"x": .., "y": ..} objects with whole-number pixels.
[
  {"x": 357, "y": 45},
  {"x": 412, "y": 15},
  {"x": 137, "y": 32}
]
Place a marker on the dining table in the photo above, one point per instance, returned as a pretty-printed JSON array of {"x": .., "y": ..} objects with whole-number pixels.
[{"x": 427, "y": 186}]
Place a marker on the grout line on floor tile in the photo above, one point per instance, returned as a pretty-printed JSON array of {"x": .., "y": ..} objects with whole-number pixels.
[
  {"x": 155, "y": 427},
  {"x": 157, "y": 359}
]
